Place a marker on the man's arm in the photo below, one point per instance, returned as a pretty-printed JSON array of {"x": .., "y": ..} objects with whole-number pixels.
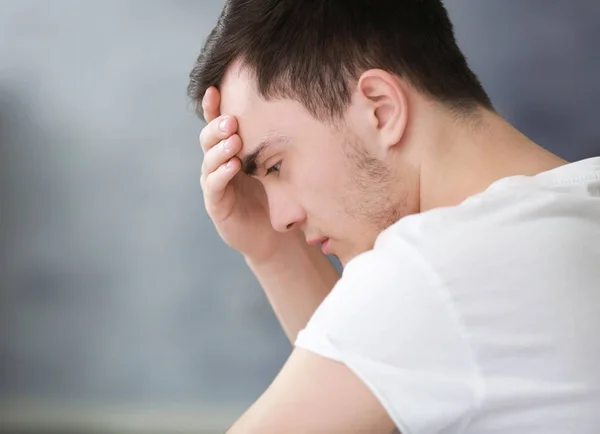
[
  {"x": 295, "y": 282},
  {"x": 299, "y": 276},
  {"x": 315, "y": 395}
]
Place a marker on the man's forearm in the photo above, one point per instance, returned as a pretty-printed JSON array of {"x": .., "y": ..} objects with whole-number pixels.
[{"x": 295, "y": 282}]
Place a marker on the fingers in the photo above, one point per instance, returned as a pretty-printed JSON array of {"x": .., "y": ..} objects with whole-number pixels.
[
  {"x": 220, "y": 154},
  {"x": 215, "y": 184},
  {"x": 220, "y": 145},
  {"x": 210, "y": 103},
  {"x": 218, "y": 129}
]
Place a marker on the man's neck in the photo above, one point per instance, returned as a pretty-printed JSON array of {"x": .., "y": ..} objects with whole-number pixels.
[{"x": 466, "y": 159}]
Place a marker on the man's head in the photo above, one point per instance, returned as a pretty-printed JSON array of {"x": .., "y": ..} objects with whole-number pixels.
[{"x": 341, "y": 90}]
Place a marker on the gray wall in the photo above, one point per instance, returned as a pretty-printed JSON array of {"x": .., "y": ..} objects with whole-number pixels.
[{"x": 114, "y": 287}]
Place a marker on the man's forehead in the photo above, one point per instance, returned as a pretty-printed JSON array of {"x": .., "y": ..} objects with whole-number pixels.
[
  {"x": 239, "y": 94},
  {"x": 239, "y": 98},
  {"x": 257, "y": 118}
]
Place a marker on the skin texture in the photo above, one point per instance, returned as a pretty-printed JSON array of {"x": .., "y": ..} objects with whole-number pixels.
[{"x": 394, "y": 153}]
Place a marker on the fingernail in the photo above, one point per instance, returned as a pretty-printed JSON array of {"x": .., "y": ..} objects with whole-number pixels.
[
  {"x": 223, "y": 125},
  {"x": 229, "y": 164},
  {"x": 225, "y": 145}
]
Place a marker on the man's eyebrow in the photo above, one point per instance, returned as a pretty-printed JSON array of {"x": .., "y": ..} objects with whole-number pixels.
[{"x": 250, "y": 161}]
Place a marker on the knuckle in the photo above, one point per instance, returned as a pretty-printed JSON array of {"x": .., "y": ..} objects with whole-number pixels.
[
  {"x": 202, "y": 137},
  {"x": 210, "y": 184},
  {"x": 204, "y": 163},
  {"x": 211, "y": 159},
  {"x": 207, "y": 140}
]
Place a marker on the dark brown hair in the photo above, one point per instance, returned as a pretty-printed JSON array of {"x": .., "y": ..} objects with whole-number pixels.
[{"x": 313, "y": 51}]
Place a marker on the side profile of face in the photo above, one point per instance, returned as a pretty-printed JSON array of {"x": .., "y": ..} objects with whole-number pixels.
[{"x": 345, "y": 182}]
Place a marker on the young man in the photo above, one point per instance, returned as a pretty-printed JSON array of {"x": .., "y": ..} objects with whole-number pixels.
[{"x": 470, "y": 297}]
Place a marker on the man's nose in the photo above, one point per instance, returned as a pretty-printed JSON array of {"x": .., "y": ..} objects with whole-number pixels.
[{"x": 285, "y": 213}]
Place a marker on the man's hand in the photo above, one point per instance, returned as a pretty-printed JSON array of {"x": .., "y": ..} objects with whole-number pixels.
[
  {"x": 236, "y": 203},
  {"x": 296, "y": 277}
]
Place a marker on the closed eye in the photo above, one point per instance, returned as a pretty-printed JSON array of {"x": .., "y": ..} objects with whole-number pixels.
[{"x": 274, "y": 168}]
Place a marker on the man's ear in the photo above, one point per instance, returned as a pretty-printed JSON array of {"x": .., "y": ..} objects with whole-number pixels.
[{"x": 388, "y": 102}]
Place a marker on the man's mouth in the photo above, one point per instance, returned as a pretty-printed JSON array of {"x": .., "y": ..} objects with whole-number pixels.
[
  {"x": 325, "y": 247},
  {"x": 323, "y": 242}
]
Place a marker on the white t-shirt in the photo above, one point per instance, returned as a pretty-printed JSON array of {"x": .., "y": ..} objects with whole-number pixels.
[{"x": 480, "y": 318}]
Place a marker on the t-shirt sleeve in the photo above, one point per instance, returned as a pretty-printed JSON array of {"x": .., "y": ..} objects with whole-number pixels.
[{"x": 391, "y": 322}]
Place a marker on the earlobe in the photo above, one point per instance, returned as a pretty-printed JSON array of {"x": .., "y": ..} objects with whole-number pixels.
[{"x": 388, "y": 102}]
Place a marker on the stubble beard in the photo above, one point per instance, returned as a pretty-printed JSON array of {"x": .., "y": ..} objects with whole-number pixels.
[{"x": 374, "y": 196}]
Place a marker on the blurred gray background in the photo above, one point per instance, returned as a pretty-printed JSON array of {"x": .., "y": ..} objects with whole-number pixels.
[{"x": 118, "y": 300}]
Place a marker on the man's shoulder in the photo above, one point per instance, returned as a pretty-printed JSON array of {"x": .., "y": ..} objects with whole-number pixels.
[
  {"x": 408, "y": 250},
  {"x": 507, "y": 203},
  {"x": 520, "y": 221},
  {"x": 472, "y": 225}
]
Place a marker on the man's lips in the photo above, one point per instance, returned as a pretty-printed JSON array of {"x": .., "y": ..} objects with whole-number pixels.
[
  {"x": 322, "y": 241},
  {"x": 325, "y": 248}
]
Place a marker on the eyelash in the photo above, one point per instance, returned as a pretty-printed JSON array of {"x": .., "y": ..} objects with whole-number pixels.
[{"x": 274, "y": 168}]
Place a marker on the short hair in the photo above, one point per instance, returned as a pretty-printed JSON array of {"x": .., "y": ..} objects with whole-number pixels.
[{"x": 314, "y": 51}]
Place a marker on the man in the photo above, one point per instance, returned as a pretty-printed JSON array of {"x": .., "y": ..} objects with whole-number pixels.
[{"x": 470, "y": 297}]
